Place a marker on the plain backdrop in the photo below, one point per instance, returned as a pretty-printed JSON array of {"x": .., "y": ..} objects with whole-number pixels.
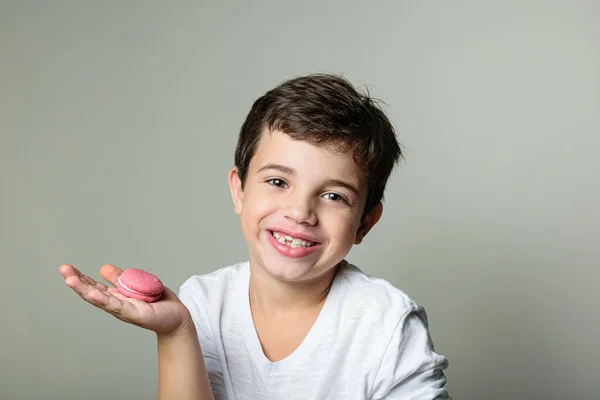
[{"x": 118, "y": 123}]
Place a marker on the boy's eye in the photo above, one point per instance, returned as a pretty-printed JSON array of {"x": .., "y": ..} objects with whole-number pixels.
[
  {"x": 277, "y": 182},
  {"x": 334, "y": 197}
]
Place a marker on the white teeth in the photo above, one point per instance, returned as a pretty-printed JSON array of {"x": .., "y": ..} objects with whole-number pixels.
[{"x": 290, "y": 241}]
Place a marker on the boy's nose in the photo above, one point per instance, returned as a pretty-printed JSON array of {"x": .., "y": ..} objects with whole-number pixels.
[{"x": 300, "y": 210}]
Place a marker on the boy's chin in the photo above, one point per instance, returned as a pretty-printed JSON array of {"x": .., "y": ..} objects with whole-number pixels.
[
  {"x": 290, "y": 272},
  {"x": 293, "y": 272}
]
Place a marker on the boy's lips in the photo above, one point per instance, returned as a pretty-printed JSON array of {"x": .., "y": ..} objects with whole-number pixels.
[
  {"x": 294, "y": 234},
  {"x": 286, "y": 250}
]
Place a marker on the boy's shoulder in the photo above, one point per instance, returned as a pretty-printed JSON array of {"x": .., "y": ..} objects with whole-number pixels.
[{"x": 379, "y": 295}]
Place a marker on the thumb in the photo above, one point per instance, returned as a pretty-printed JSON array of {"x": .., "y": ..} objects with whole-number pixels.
[{"x": 110, "y": 273}]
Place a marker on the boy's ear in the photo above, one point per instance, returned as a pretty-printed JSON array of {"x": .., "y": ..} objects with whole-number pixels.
[
  {"x": 368, "y": 222},
  {"x": 237, "y": 193}
]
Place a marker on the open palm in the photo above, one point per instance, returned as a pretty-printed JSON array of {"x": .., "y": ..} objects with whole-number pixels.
[{"x": 165, "y": 316}]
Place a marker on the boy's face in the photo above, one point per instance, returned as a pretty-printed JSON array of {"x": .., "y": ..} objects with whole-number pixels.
[{"x": 307, "y": 193}]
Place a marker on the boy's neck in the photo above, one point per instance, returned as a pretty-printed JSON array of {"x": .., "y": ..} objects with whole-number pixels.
[{"x": 273, "y": 297}]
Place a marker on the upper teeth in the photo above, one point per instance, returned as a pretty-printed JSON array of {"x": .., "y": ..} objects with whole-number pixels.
[{"x": 290, "y": 241}]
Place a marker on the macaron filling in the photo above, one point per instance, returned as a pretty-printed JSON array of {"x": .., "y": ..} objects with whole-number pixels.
[{"x": 134, "y": 291}]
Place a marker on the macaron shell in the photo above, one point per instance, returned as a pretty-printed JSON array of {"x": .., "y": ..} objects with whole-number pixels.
[
  {"x": 148, "y": 286},
  {"x": 141, "y": 281}
]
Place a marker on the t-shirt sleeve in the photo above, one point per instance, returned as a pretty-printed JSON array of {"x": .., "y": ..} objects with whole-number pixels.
[
  {"x": 192, "y": 298},
  {"x": 410, "y": 368}
]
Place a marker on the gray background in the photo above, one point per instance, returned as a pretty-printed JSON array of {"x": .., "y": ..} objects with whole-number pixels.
[{"x": 118, "y": 123}]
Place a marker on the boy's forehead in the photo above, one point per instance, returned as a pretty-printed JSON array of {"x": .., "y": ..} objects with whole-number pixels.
[
  {"x": 275, "y": 147},
  {"x": 276, "y": 137},
  {"x": 280, "y": 144}
]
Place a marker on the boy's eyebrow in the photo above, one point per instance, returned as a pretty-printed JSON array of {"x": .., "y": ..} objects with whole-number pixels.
[
  {"x": 281, "y": 168},
  {"x": 329, "y": 182}
]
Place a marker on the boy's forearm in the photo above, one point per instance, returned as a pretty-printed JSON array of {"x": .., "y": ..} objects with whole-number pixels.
[{"x": 181, "y": 370}]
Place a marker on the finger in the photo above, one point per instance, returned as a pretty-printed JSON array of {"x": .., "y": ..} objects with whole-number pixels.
[
  {"x": 67, "y": 270},
  {"x": 75, "y": 282},
  {"x": 79, "y": 286},
  {"x": 108, "y": 303},
  {"x": 93, "y": 282},
  {"x": 88, "y": 280},
  {"x": 96, "y": 297},
  {"x": 126, "y": 299},
  {"x": 110, "y": 273},
  {"x": 102, "y": 299},
  {"x": 119, "y": 306},
  {"x": 115, "y": 292}
]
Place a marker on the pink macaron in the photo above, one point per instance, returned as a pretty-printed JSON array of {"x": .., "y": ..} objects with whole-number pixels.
[{"x": 139, "y": 284}]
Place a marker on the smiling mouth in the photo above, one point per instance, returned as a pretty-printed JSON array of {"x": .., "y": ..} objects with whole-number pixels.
[{"x": 291, "y": 241}]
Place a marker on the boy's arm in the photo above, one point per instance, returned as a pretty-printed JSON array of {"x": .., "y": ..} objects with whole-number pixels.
[
  {"x": 181, "y": 370},
  {"x": 410, "y": 368}
]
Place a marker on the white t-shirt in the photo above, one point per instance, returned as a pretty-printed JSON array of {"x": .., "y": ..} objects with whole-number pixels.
[{"x": 370, "y": 341}]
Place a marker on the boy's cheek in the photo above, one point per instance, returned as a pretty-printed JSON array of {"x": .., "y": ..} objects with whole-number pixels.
[{"x": 257, "y": 209}]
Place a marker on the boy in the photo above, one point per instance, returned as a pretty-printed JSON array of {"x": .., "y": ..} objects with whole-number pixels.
[{"x": 296, "y": 321}]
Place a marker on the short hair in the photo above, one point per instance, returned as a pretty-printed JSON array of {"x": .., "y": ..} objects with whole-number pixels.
[{"x": 325, "y": 110}]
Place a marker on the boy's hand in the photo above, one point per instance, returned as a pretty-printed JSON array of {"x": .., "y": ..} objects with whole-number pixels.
[{"x": 165, "y": 316}]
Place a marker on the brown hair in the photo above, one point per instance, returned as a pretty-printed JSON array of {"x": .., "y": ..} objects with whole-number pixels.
[{"x": 325, "y": 110}]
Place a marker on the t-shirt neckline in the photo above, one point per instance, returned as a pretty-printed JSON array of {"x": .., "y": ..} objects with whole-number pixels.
[{"x": 250, "y": 335}]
